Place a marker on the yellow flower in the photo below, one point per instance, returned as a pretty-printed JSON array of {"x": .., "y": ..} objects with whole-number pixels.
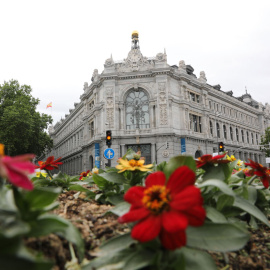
[
  {"x": 232, "y": 158},
  {"x": 239, "y": 162},
  {"x": 38, "y": 174},
  {"x": 95, "y": 170},
  {"x": 132, "y": 165}
]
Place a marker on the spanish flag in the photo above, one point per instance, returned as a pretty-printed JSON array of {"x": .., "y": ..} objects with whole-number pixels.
[{"x": 49, "y": 105}]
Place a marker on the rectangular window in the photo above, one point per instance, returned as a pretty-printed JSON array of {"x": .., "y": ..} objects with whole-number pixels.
[
  {"x": 194, "y": 97},
  {"x": 195, "y": 123}
]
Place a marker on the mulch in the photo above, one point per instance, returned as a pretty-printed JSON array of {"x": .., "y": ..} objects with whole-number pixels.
[{"x": 96, "y": 227}]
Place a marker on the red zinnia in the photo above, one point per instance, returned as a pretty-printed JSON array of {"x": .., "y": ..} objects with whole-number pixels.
[
  {"x": 49, "y": 164},
  {"x": 165, "y": 210},
  {"x": 208, "y": 159},
  {"x": 16, "y": 170},
  {"x": 261, "y": 171},
  {"x": 83, "y": 174}
]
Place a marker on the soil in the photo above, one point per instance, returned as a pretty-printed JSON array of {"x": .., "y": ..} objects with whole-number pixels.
[{"x": 96, "y": 226}]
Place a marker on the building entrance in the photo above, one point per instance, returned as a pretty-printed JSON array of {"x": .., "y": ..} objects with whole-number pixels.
[{"x": 145, "y": 151}]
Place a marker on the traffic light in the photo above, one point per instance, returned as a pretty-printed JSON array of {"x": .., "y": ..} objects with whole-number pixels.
[
  {"x": 108, "y": 137},
  {"x": 221, "y": 147}
]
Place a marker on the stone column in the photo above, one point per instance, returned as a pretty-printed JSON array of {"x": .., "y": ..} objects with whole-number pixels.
[{"x": 153, "y": 153}]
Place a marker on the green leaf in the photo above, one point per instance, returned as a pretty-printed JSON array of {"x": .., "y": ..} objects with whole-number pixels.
[
  {"x": 214, "y": 215},
  {"x": 252, "y": 194},
  {"x": 217, "y": 237},
  {"x": 46, "y": 225},
  {"x": 196, "y": 259},
  {"x": 139, "y": 260},
  {"x": 224, "y": 200},
  {"x": 177, "y": 162},
  {"x": 79, "y": 188},
  {"x": 120, "y": 209},
  {"x": 116, "y": 244},
  {"x": 214, "y": 172},
  {"x": 251, "y": 209},
  {"x": 113, "y": 177},
  {"x": 116, "y": 199},
  {"x": 42, "y": 196},
  {"x": 219, "y": 184},
  {"x": 100, "y": 181}
]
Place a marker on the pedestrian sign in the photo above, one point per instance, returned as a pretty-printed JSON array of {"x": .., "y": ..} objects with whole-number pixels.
[{"x": 109, "y": 153}]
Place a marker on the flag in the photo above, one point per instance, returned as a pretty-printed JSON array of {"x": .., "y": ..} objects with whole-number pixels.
[{"x": 49, "y": 105}]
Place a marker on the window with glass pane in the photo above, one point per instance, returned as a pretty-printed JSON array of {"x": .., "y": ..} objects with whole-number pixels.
[
  {"x": 218, "y": 131},
  {"x": 242, "y": 133},
  {"x": 247, "y": 137},
  {"x": 211, "y": 128},
  {"x": 237, "y": 135},
  {"x": 231, "y": 133},
  {"x": 195, "y": 123},
  {"x": 225, "y": 131},
  {"x": 137, "y": 110},
  {"x": 252, "y": 139}
]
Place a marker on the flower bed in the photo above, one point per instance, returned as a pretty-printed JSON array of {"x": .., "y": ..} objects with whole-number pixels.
[{"x": 183, "y": 214}]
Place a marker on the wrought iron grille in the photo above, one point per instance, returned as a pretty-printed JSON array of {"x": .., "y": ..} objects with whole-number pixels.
[
  {"x": 137, "y": 110},
  {"x": 145, "y": 151}
]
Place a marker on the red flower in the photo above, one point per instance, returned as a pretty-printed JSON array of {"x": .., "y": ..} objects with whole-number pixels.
[
  {"x": 16, "y": 169},
  {"x": 83, "y": 174},
  {"x": 208, "y": 159},
  {"x": 261, "y": 171},
  {"x": 49, "y": 164},
  {"x": 165, "y": 210}
]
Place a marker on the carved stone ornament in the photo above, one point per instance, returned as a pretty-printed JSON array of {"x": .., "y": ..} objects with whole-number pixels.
[
  {"x": 110, "y": 116},
  {"x": 109, "y": 91},
  {"x": 161, "y": 57},
  {"x": 165, "y": 153},
  {"x": 163, "y": 114},
  {"x": 95, "y": 76},
  {"x": 134, "y": 62},
  {"x": 202, "y": 77},
  {"x": 182, "y": 66},
  {"x": 109, "y": 62}
]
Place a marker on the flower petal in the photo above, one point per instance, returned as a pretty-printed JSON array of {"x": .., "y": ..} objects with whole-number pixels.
[
  {"x": 174, "y": 221},
  {"x": 174, "y": 240},
  {"x": 147, "y": 229},
  {"x": 134, "y": 195},
  {"x": 186, "y": 199},
  {"x": 180, "y": 178},
  {"x": 196, "y": 215},
  {"x": 134, "y": 215},
  {"x": 156, "y": 178}
]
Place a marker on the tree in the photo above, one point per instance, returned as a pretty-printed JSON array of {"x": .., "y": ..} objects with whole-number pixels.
[
  {"x": 265, "y": 140},
  {"x": 22, "y": 128}
]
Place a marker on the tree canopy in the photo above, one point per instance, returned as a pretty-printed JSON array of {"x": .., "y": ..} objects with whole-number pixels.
[
  {"x": 265, "y": 140},
  {"x": 22, "y": 128}
]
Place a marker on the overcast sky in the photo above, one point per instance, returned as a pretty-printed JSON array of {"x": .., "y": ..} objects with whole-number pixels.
[{"x": 54, "y": 46}]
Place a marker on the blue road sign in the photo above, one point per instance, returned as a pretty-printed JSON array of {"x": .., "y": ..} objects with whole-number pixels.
[{"x": 109, "y": 153}]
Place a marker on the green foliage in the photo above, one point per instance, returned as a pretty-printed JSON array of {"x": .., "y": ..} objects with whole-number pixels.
[
  {"x": 265, "y": 142},
  {"x": 22, "y": 128},
  {"x": 25, "y": 214}
]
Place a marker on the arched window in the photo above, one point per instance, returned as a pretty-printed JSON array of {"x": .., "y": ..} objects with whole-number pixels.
[
  {"x": 137, "y": 110},
  {"x": 237, "y": 134},
  {"x": 218, "y": 131},
  {"x": 231, "y": 133},
  {"x": 252, "y": 138},
  {"x": 225, "y": 131},
  {"x": 211, "y": 127},
  {"x": 242, "y": 134},
  {"x": 257, "y": 142},
  {"x": 247, "y": 137}
]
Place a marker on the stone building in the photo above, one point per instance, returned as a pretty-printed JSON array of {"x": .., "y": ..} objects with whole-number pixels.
[{"x": 159, "y": 109}]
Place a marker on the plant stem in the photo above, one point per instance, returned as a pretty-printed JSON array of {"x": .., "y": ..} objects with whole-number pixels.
[
  {"x": 251, "y": 179},
  {"x": 49, "y": 173}
]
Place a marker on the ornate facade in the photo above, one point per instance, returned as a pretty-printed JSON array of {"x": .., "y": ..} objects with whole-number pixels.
[{"x": 146, "y": 103}]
